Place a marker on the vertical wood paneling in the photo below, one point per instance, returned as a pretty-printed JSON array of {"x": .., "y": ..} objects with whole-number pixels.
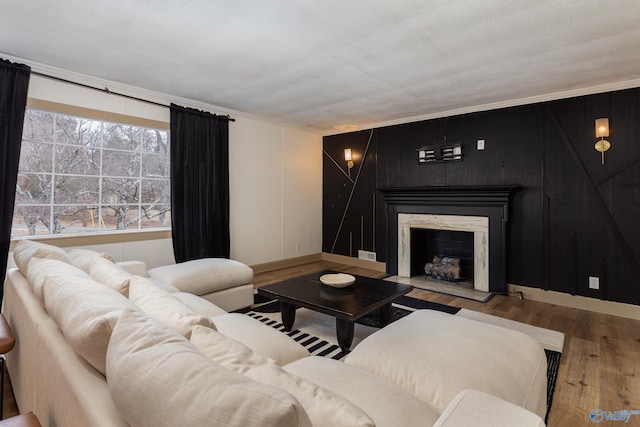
[{"x": 573, "y": 217}]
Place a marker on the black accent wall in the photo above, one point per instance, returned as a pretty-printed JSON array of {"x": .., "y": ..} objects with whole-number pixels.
[{"x": 572, "y": 217}]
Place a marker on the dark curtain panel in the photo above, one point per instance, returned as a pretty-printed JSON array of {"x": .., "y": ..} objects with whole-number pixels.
[
  {"x": 199, "y": 184},
  {"x": 14, "y": 83}
]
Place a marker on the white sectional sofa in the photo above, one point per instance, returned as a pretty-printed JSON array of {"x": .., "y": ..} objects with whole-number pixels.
[{"x": 99, "y": 346}]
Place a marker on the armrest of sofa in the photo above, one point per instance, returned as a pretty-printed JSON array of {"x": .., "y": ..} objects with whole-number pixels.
[
  {"x": 137, "y": 268},
  {"x": 480, "y": 409}
]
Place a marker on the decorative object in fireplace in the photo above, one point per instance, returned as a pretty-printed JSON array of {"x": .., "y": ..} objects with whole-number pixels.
[{"x": 443, "y": 268}]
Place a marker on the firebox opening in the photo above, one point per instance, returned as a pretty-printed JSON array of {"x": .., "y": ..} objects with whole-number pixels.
[{"x": 429, "y": 243}]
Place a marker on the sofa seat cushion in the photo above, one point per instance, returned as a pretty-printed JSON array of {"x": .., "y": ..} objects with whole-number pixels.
[
  {"x": 135, "y": 268},
  {"x": 203, "y": 276},
  {"x": 164, "y": 308},
  {"x": 162, "y": 285},
  {"x": 157, "y": 378},
  {"x": 260, "y": 338},
  {"x": 436, "y": 355},
  {"x": 199, "y": 305},
  {"x": 486, "y": 411},
  {"x": 323, "y": 406},
  {"x": 386, "y": 404},
  {"x": 232, "y": 299}
]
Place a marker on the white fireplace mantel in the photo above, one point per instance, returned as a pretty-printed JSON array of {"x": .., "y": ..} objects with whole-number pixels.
[{"x": 478, "y": 225}]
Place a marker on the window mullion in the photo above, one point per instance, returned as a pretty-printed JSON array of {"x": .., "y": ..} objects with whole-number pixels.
[
  {"x": 100, "y": 178},
  {"x": 53, "y": 176}
]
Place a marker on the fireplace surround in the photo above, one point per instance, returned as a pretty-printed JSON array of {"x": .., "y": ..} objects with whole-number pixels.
[{"x": 490, "y": 203}]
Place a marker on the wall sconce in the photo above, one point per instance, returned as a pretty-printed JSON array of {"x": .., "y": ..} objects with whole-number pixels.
[
  {"x": 602, "y": 131},
  {"x": 348, "y": 159}
]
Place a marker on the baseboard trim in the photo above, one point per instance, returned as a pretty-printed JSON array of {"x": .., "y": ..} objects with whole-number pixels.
[
  {"x": 285, "y": 263},
  {"x": 356, "y": 262},
  {"x": 613, "y": 308}
]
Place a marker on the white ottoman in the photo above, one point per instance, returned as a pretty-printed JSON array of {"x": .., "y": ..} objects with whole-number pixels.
[
  {"x": 436, "y": 355},
  {"x": 473, "y": 407},
  {"x": 224, "y": 282}
]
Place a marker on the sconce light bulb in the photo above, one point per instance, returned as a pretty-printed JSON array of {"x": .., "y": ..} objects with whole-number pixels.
[
  {"x": 602, "y": 131},
  {"x": 602, "y": 127}
]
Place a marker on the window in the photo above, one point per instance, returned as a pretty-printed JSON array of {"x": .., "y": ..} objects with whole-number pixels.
[{"x": 80, "y": 175}]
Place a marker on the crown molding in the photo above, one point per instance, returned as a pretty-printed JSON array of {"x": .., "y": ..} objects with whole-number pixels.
[{"x": 554, "y": 96}]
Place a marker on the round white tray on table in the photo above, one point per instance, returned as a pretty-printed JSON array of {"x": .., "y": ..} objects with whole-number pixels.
[{"x": 338, "y": 280}]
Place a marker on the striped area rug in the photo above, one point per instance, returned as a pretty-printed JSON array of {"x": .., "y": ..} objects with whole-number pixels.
[{"x": 315, "y": 345}]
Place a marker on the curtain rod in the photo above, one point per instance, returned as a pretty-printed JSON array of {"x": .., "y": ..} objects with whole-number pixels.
[{"x": 106, "y": 90}]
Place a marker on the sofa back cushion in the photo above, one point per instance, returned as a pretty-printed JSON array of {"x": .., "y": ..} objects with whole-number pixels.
[
  {"x": 157, "y": 378},
  {"x": 323, "y": 406},
  {"x": 27, "y": 249},
  {"x": 81, "y": 258},
  {"x": 164, "y": 308},
  {"x": 40, "y": 268},
  {"x": 86, "y": 312},
  {"x": 110, "y": 274}
]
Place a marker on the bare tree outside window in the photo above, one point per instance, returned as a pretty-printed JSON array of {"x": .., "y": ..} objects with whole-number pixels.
[{"x": 79, "y": 175}]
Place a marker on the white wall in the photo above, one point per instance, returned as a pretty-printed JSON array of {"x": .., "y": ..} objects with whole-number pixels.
[
  {"x": 275, "y": 173},
  {"x": 276, "y": 192}
]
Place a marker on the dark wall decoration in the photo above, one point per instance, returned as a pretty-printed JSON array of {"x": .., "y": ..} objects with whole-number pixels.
[{"x": 571, "y": 218}]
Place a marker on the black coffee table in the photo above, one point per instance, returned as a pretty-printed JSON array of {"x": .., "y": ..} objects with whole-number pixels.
[{"x": 345, "y": 304}]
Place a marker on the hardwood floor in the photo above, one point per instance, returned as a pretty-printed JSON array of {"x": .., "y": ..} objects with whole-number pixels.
[{"x": 600, "y": 365}]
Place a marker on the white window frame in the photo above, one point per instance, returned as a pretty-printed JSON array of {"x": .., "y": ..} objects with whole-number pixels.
[{"x": 103, "y": 117}]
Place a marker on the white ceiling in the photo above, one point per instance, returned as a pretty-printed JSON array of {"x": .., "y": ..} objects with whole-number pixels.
[{"x": 329, "y": 63}]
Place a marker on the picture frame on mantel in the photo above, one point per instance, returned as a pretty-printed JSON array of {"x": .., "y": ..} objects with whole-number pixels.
[{"x": 451, "y": 152}]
